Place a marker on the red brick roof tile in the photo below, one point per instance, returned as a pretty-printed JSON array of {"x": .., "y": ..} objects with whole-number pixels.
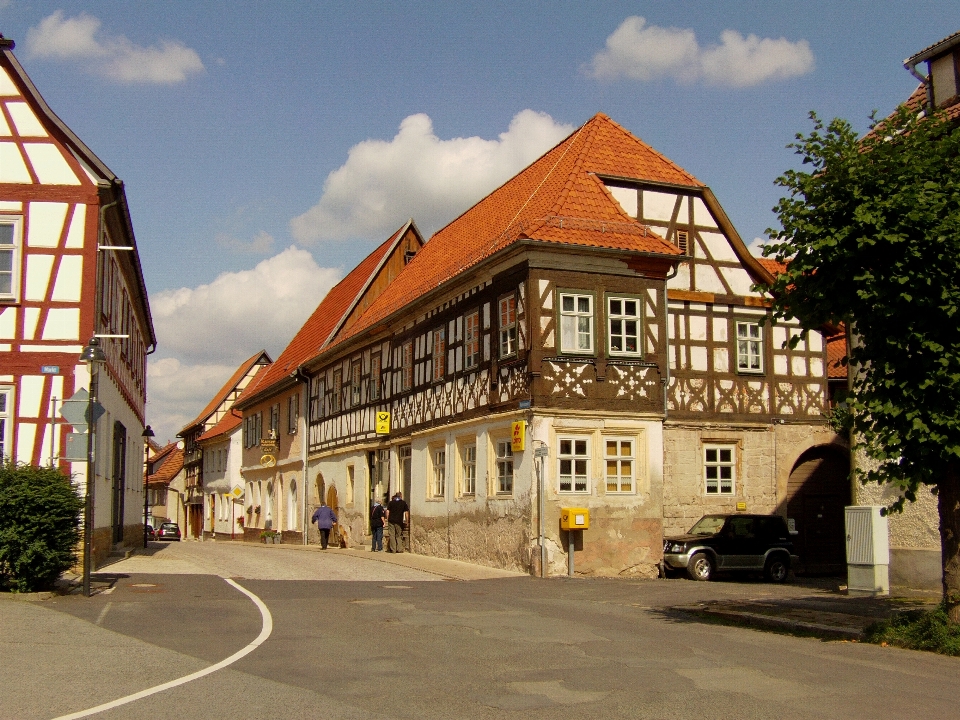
[
  {"x": 836, "y": 351},
  {"x": 557, "y": 199},
  {"x": 772, "y": 266},
  {"x": 170, "y": 467}
]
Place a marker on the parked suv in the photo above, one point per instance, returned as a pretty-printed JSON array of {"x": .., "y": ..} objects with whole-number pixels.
[{"x": 742, "y": 543}]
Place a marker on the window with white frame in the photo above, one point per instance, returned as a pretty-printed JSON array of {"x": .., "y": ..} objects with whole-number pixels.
[
  {"x": 749, "y": 347},
  {"x": 620, "y": 464},
  {"x": 624, "y": 325},
  {"x": 469, "y": 460},
  {"x": 508, "y": 325},
  {"x": 356, "y": 393},
  {"x": 275, "y": 421},
  {"x": 576, "y": 323},
  {"x": 251, "y": 430},
  {"x": 439, "y": 485},
  {"x": 336, "y": 396},
  {"x": 10, "y": 235},
  {"x": 574, "y": 465},
  {"x": 375, "y": 372},
  {"x": 439, "y": 353},
  {"x": 504, "y": 467},
  {"x": 6, "y": 423},
  {"x": 471, "y": 340},
  {"x": 720, "y": 469}
]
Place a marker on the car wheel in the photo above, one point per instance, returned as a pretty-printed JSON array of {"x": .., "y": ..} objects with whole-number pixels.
[
  {"x": 700, "y": 567},
  {"x": 776, "y": 569}
]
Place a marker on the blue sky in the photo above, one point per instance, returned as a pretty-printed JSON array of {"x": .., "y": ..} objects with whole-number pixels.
[{"x": 228, "y": 121}]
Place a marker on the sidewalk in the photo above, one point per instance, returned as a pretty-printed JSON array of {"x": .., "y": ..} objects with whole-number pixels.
[{"x": 825, "y": 613}]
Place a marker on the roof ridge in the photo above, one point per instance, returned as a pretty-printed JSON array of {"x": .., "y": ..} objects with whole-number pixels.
[
  {"x": 649, "y": 147},
  {"x": 577, "y": 164}
]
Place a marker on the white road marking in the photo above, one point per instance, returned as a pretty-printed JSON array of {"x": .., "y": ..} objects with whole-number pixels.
[
  {"x": 265, "y": 631},
  {"x": 103, "y": 613}
]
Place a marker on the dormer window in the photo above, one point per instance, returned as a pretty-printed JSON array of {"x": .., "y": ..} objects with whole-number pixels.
[{"x": 944, "y": 72}]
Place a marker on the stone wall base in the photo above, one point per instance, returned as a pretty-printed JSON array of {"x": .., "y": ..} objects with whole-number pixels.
[
  {"x": 916, "y": 569},
  {"x": 480, "y": 538}
]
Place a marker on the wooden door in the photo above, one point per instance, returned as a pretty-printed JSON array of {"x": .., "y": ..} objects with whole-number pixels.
[{"x": 817, "y": 492}]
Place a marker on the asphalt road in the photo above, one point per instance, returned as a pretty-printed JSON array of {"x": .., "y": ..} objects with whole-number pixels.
[{"x": 390, "y": 641}]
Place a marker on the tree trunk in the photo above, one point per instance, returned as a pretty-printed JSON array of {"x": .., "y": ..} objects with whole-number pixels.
[{"x": 948, "y": 505}]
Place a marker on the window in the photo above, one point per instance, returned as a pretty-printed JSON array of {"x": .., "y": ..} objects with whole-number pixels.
[
  {"x": 439, "y": 486},
  {"x": 439, "y": 353},
  {"x": 351, "y": 479},
  {"x": 406, "y": 369},
  {"x": 508, "y": 325},
  {"x": 251, "y": 430},
  {"x": 469, "y": 459},
  {"x": 749, "y": 347},
  {"x": 337, "y": 391},
  {"x": 719, "y": 466},
  {"x": 504, "y": 465},
  {"x": 6, "y": 423},
  {"x": 293, "y": 414},
  {"x": 683, "y": 238},
  {"x": 275, "y": 421},
  {"x": 574, "y": 465},
  {"x": 375, "y": 372},
  {"x": 317, "y": 391},
  {"x": 576, "y": 323},
  {"x": 620, "y": 464},
  {"x": 623, "y": 325},
  {"x": 355, "y": 389},
  {"x": 9, "y": 257},
  {"x": 471, "y": 340}
]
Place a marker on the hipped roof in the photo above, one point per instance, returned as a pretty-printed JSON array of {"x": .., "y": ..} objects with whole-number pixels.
[{"x": 559, "y": 199}]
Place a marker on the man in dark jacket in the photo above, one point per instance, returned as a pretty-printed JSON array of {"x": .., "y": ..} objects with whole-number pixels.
[
  {"x": 398, "y": 515},
  {"x": 324, "y": 519},
  {"x": 378, "y": 516}
]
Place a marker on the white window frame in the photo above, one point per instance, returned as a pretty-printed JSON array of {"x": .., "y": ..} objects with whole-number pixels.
[
  {"x": 575, "y": 316},
  {"x": 406, "y": 366},
  {"x": 749, "y": 336},
  {"x": 293, "y": 413},
  {"x": 471, "y": 340},
  {"x": 623, "y": 317},
  {"x": 438, "y": 458},
  {"x": 715, "y": 465},
  {"x": 439, "y": 353},
  {"x": 573, "y": 456},
  {"x": 504, "y": 460},
  {"x": 15, "y": 249},
  {"x": 618, "y": 459},
  {"x": 468, "y": 469},
  {"x": 6, "y": 424},
  {"x": 507, "y": 324},
  {"x": 356, "y": 383},
  {"x": 376, "y": 369}
]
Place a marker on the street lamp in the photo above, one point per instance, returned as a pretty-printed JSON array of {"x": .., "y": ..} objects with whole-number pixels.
[
  {"x": 147, "y": 434},
  {"x": 92, "y": 355}
]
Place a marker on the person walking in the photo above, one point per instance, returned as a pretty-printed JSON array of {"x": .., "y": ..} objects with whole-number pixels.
[
  {"x": 378, "y": 516},
  {"x": 324, "y": 519},
  {"x": 398, "y": 515}
]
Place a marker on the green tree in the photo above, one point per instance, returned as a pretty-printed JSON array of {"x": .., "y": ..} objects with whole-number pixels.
[
  {"x": 870, "y": 232},
  {"x": 39, "y": 526}
]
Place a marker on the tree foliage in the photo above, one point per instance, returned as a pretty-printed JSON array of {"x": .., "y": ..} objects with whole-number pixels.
[
  {"x": 39, "y": 526},
  {"x": 871, "y": 235}
]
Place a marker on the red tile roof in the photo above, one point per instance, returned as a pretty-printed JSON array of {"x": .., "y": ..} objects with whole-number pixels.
[
  {"x": 225, "y": 391},
  {"x": 326, "y": 319},
  {"x": 557, "y": 199},
  {"x": 918, "y": 101},
  {"x": 836, "y": 351},
  {"x": 229, "y": 421},
  {"x": 171, "y": 465},
  {"x": 772, "y": 266}
]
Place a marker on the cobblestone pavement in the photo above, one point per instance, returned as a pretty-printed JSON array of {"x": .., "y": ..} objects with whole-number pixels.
[{"x": 261, "y": 562}]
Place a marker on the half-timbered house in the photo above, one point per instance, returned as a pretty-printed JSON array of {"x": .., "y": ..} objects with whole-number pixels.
[
  {"x": 590, "y": 327},
  {"x": 274, "y": 452},
  {"x": 199, "y": 505},
  {"x": 69, "y": 270}
]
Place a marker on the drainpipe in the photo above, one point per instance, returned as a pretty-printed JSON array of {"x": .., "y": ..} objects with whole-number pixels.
[{"x": 912, "y": 69}]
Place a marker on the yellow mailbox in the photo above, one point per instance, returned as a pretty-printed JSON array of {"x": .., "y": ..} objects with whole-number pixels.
[{"x": 574, "y": 518}]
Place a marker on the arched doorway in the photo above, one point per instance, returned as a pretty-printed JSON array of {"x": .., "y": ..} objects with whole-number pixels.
[{"x": 817, "y": 492}]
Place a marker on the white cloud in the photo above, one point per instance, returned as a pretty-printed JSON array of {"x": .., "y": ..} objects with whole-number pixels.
[
  {"x": 241, "y": 312},
  {"x": 383, "y": 182},
  {"x": 640, "y": 51},
  {"x": 204, "y": 333},
  {"x": 261, "y": 244},
  {"x": 79, "y": 39}
]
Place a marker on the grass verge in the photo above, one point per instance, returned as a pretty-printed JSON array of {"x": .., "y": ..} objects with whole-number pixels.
[{"x": 917, "y": 630}]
